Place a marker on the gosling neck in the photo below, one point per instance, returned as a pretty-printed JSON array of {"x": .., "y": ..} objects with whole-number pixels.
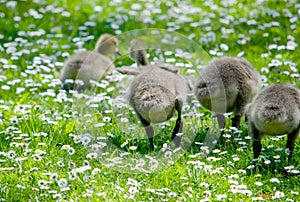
[
  {"x": 141, "y": 58},
  {"x": 101, "y": 49}
]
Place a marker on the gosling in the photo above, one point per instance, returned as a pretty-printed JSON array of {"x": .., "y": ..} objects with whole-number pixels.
[
  {"x": 90, "y": 65},
  {"x": 227, "y": 84},
  {"x": 274, "y": 111},
  {"x": 156, "y": 92}
]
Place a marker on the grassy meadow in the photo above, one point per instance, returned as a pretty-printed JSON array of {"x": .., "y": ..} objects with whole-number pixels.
[{"x": 69, "y": 146}]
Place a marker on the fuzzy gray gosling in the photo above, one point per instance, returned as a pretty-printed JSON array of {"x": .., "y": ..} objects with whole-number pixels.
[
  {"x": 90, "y": 65},
  {"x": 156, "y": 92},
  {"x": 274, "y": 111},
  {"x": 227, "y": 84}
]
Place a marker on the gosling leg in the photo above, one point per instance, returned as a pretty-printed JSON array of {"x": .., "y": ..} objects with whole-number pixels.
[
  {"x": 150, "y": 134},
  {"x": 236, "y": 120},
  {"x": 291, "y": 142},
  {"x": 149, "y": 131},
  {"x": 246, "y": 119},
  {"x": 256, "y": 139},
  {"x": 221, "y": 120},
  {"x": 178, "y": 127}
]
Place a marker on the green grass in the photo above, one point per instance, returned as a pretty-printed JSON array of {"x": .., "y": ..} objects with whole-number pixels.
[{"x": 38, "y": 145}]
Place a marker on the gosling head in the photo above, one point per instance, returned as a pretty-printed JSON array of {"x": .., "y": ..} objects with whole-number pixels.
[{"x": 107, "y": 44}]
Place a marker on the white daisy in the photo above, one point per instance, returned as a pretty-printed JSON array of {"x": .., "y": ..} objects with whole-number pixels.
[{"x": 62, "y": 183}]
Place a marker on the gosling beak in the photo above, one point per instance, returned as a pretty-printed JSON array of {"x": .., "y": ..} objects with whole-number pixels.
[{"x": 118, "y": 53}]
